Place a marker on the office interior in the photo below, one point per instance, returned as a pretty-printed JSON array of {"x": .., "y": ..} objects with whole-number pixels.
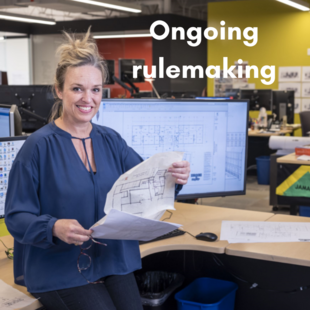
[{"x": 269, "y": 276}]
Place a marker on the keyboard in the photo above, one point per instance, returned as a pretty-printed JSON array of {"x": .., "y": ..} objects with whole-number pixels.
[{"x": 174, "y": 233}]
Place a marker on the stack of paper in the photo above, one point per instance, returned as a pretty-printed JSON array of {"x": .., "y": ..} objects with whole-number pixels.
[
  {"x": 303, "y": 157},
  {"x": 138, "y": 199},
  {"x": 251, "y": 232},
  {"x": 11, "y": 298}
]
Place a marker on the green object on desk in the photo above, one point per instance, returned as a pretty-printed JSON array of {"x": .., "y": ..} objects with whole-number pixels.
[
  {"x": 301, "y": 188},
  {"x": 297, "y": 184}
]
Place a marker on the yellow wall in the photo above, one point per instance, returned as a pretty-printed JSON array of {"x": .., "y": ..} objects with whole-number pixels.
[
  {"x": 3, "y": 230},
  {"x": 283, "y": 37}
]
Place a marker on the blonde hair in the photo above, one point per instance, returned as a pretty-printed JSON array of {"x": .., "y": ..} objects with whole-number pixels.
[{"x": 75, "y": 53}]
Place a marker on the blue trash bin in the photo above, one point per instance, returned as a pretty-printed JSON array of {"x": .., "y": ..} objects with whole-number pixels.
[
  {"x": 304, "y": 211},
  {"x": 263, "y": 169},
  {"x": 207, "y": 294}
]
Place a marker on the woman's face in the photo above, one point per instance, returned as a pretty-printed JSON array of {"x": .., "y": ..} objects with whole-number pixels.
[{"x": 82, "y": 93}]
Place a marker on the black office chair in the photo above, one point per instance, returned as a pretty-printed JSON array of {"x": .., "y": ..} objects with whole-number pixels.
[{"x": 305, "y": 123}]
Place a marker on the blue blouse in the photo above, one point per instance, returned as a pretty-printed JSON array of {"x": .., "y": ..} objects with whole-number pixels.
[{"x": 48, "y": 181}]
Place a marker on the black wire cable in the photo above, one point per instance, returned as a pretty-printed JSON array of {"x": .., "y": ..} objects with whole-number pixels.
[
  {"x": 252, "y": 285},
  {"x": 190, "y": 234},
  {"x": 8, "y": 251},
  {"x": 168, "y": 218},
  {"x": 255, "y": 285}
]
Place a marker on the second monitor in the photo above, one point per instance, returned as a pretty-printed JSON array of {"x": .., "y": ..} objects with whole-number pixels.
[
  {"x": 259, "y": 98},
  {"x": 126, "y": 70},
  {"x": 110, "y": 66},
  {"x": 284, "y": 104},
  {"x": 33, "y": 101},
  {"x": 212, "y": 135},
  {"x": 10, "y": 121}
]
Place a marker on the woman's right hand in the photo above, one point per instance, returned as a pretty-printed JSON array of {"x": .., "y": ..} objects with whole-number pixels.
[{"x": 71, "y": 232}]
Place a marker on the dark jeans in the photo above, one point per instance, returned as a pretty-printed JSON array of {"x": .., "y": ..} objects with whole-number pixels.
[{"x": 116, "y": 293}]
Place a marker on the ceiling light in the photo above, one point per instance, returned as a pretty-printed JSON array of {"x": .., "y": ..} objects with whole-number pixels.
[
  {"x": 297, "y": 4},
  {"x": 26, "y": 19},
  {"x": 114, "y": 5},
  {"x": 116, "y": 36},
  {"x": 1, "y": 38}
]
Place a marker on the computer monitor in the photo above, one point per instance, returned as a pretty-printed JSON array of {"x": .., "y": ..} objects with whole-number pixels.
[
  {"x": 126, "y": 70},
  {"x": 212, "y": 135},
  {"x": 3, "y": 78},
  {"x": 9, "y": 148},
  {"x": 33, "y": 101},
  {"x": 259, "y": 98},
  {"x": 106, "y": 93},
  {"x": 214, "y": 98},
  {"x": 232, "y": 92},
  {"x": 10, "y": 121},
  {"x": 111, "y": 66},
  {"x": 283, "y": 104},
  {"x": 178, "y": 94}
]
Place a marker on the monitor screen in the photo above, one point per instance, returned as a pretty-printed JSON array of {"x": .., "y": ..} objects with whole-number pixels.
[
  {"x": 9, "y": 147},
  {"x": 232, "y": 92},
  {"x": 284, "y": 104},
  {"x": 259, "y": 98},
  {"x": 126, "y": 70},
  {"x": 106, "y": 93},
  {"x": 212, "y": 135},
  {"x": 110, "y": 65},
  {"x": 214, "y": 98},
  {"x": 34, "y": 103},
  {"x": 5, "y": 121}
]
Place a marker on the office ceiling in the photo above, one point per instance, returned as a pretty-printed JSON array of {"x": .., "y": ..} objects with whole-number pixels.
[{"x": 66, "y": 10}]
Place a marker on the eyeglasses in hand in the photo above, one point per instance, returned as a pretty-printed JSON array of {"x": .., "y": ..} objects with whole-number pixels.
[{"x": 80, "y": 269}]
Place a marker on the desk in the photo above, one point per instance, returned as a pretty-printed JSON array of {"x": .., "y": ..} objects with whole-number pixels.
[
  {"x": 6, "y": 271},
  {"x": 296, "y": 253},
  {"x": 194, "y": 258},
  {"x": 258, "y": 144},
  {"x": 291, "y": 159},
  {"x": 196, "y": 219},
  {"x": 286, "y": 165},
  {"x": 256, "y": 133},
  {"x": 280, "y": 266}
]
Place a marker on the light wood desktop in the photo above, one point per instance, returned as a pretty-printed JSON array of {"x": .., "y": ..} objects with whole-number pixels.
[
  {"x": 6, "y": 272},
  {"x": 291, "y": 159},
  {"x": 296, "y": 253},
  {"x": 196, "y": 219},
  {"x": 257, "y": 133}
]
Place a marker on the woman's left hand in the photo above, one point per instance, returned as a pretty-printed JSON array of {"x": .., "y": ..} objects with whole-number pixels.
[{"x": 180, "y": 170}]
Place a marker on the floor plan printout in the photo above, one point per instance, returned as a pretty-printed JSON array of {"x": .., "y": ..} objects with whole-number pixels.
[
  {"x": 252, "y": 232},
  {"x": 212, "y": 136},
  {"x": 118, "y": 225},
  {"x": 147, "y": 190},
  {"x": 138, "y": 199}
]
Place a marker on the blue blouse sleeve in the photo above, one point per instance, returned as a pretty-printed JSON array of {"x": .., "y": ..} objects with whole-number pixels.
[
  {"x": 22, "y": 208},
  {"x": 178, "y": 188}
]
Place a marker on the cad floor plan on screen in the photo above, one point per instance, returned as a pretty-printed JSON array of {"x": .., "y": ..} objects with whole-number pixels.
[
  {"x": 211, "y": 134},
  {"x": 8, "y": 153}
]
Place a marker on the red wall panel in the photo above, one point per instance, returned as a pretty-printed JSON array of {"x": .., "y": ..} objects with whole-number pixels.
[{"x": 133, "y": 48}]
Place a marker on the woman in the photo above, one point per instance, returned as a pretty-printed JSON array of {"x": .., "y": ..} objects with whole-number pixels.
[{"x": 57, "y": 190}]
